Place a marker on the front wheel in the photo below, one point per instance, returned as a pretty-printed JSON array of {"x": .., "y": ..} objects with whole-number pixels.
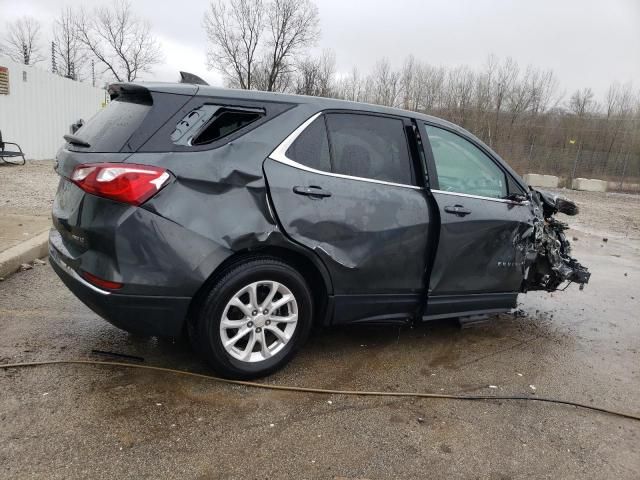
[{"x": 254, "y": 319}]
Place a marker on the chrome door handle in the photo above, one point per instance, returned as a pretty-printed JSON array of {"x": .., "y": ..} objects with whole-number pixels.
[
  {"x": 457, "y": 210},
  {"x": 311, "y": 191}
]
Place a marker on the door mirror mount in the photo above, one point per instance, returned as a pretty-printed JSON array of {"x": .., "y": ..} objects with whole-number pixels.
[{"x": 516, "y": 197}]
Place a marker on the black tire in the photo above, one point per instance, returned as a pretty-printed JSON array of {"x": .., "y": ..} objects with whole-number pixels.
[{"x": 204, "y": 330}]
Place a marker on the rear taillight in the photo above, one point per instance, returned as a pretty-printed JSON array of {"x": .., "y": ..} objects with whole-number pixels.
[{"x": 128, "y": 183}]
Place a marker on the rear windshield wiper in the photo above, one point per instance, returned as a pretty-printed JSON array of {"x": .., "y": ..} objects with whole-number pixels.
[{"x": 76, "y": 141}]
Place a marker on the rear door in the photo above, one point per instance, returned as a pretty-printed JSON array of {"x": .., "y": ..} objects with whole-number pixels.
[
  {"x": 479, "y": 262},
  {"x": 343, "y": 185}
]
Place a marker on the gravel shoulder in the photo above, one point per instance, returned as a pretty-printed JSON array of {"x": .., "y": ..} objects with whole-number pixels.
[
  {"x": 26, "y": 197},
  {"x": 611, "y": 213},
  {"x": 28, "y": 189}
]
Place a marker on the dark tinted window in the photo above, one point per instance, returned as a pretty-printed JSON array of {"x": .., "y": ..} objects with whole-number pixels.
[
  {"x": 370, "y": 147},
  {"x": 224, "y": 123},
  {"x": 311, "y": 148},
  {"x": 464, "y": 168},
  {"x": 109, "y": 129}
]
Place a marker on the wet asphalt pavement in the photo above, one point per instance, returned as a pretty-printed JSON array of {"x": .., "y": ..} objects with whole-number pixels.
[{"x": 101, "y": 422}]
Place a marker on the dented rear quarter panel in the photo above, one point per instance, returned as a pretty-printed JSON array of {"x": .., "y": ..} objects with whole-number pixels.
[{"x": 221, "y": 194}]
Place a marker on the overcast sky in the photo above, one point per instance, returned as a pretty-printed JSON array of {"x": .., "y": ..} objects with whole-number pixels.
[{"x": 588, "y": 43}]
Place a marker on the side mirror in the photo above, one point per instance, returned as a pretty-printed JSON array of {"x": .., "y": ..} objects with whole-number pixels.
[{"x": 76, "y": 126}]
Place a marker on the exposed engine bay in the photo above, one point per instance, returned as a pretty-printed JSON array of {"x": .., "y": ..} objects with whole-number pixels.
[{"x": 549, "y": 262}]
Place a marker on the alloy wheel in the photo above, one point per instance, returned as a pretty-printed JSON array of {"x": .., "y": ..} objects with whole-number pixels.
[{"x": 258, "y": 321}]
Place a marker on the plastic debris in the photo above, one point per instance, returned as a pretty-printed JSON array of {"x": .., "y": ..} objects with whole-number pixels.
[{"x": 493, "y": 386}]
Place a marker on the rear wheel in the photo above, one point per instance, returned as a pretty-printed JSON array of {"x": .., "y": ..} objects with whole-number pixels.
[{"x": 254, "y": 319}]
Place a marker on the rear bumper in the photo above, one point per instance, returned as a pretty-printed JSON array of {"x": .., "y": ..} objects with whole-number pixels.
[{"x": 144, "y": 315}]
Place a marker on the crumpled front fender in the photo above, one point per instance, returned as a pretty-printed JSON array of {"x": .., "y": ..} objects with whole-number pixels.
[{"x": 549, "y": 262}]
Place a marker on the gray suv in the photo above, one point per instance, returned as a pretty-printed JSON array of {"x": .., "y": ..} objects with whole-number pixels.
[{"x": 244, "y": 218}]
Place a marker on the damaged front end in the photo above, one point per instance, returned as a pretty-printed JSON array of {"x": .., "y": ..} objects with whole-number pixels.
[{"x": 549, "y": 261}]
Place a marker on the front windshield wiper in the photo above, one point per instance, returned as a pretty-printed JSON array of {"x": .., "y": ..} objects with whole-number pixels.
[{"x": 76, "y": 141}]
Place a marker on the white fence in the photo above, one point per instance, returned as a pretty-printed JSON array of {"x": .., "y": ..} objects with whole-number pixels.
[{"x": 40, "y": 106}]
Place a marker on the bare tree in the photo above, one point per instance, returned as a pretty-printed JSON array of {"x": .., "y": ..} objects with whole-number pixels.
[
  {"x": 433, "y": 80},
  {"x": 412, "y": 83},
  {"x": 22, "y": 41},
  {"x": 460, "y": 89},
  {"x": 292, "y": 26},
  {"x": 582, "y": 102},
  {"x": 256, "y": 44},
  {"x": 67, "y": 47},
  {"x": 386, "y": 84},
  {"x": 507, "y": 74},
  {"x": 350, "y": 87},
  {"x": 121, "y": 41},
  {"x": 234, "y": 31},
  {"x": 314, "y": 76}
]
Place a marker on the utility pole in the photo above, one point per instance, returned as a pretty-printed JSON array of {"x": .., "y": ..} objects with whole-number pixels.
[
  {"x": 54, "y": 67},
  {"x": 93, "y": 72}
]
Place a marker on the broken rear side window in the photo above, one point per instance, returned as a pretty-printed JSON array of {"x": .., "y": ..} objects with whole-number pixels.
[{"x": 208, "y": 123}]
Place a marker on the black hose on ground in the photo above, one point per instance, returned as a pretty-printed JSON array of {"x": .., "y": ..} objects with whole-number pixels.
[{"x": 322, "y": 391}]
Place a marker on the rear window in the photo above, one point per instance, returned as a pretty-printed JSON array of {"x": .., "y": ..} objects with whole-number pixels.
[
  {"x": 109, "y": 129},
  {"x": 208, "y": 123}
]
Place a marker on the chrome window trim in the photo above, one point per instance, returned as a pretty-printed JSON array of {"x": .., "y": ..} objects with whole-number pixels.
[
  {"x": 279, "y": 155},
  {"x": 468, "y": 195}
]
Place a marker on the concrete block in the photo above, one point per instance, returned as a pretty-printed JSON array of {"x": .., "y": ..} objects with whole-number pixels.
[
  {"x": 589, "y": 185},
  {"x": 625, "y": 187},
  {"x": 537, "y": 180}
]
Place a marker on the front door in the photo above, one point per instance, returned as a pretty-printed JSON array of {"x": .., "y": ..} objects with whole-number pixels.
[
  {"x": 343, "y": 185},
  {"x": 479, "y": 262}
]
